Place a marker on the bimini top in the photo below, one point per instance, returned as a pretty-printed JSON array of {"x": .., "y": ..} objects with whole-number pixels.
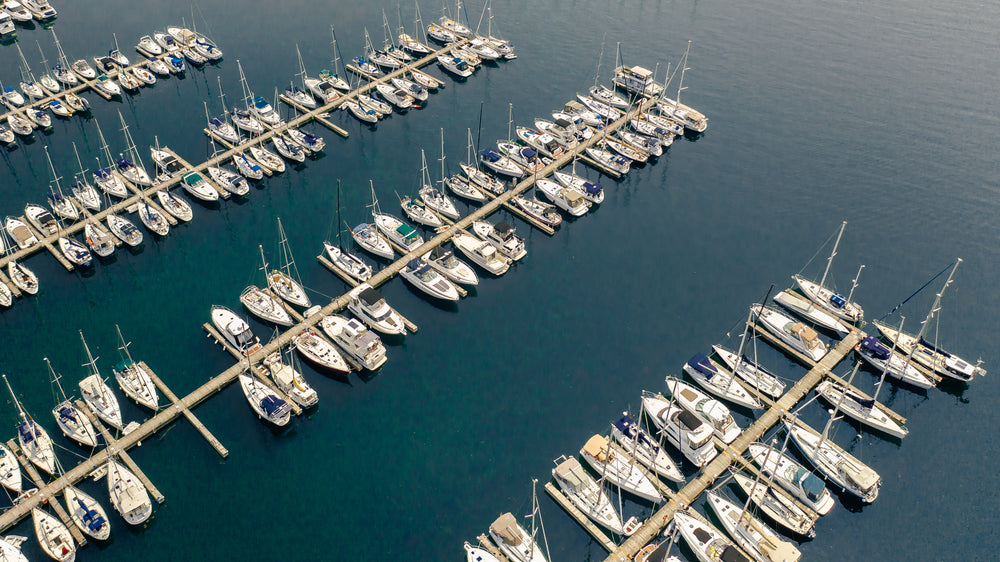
[
  {"x": 628, "y": 427},
  {"x": 528, "y": 153},
  {"x": 370, "y": 297},
  {"x": 406, "y": 230},
  {"x": 438, "y": 252},
  {"x": 593, "y": 188},
  {"x": 701, "y": 363},
  {"x": 273, "y": 405},
  {"x": 506, "y": 528},
  {"x": 260, "y": 103},
  {"x": 688, "y": 420},
  {"x": 216, "y": 121},
  {"x": 596, "y": 447},
  {"x": 503, "y": 229}
]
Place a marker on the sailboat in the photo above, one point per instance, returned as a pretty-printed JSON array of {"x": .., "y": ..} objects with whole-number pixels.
[
  {"x": 707, "y": 542},
  {"x": 436, "y": 199},
  {"x": 477, "y": 177},
  {"x": 588, "y": 496},
  {"x": 285, "y": 282},
  {"x": 320, "y": 352},
  {"x": 335, "y": 78},
  {"x": 752, "y": 534},
  {"x": 132, "y": 169},
  {"x": 750, "y": 371},
  {"x": 242, "y": 117},
  {"x": 33, "y": 439},
  {"x": 104, "y": 177},
  {"x": 133, "y": 378},
  {"x": 782, "y": 510},
  {"x": 61, "y": 205},
  {"x": 54, "y": 538},
  {"x": 641, "y": 446},
  {"x": 378, "y": 57},
  {"x": 220, "y": 126},
  {"x": 98, "y": 395},
  {"x": 10, "y": 470},
  {"x": 791, "y": 476},
  {"x": 84, "y": 193},
  {"x": 70, "y": 420},
  {"x": 517, "y": 544},
  {"x": 28, "y": 84},
  {"x": 301, "y": 95},
  {"x": 86, "y": 513},
  {"x": 343, "y": 260},
  {"x": 618, "y": 470},
  {"x": 827, "y": 299},
  {"x": 62, "y": 70},
  {"x": 46, "y": 81},
  {"x": 411, "y": 44},
  {"x": 289, "y": 380},
  {"x": 264, "y": 306},
  {"x": 708, "y": 376},
  {"x": 926, "y": 354},
  {"x": 677, "y": 111},
  {"x": 320, "y": 88},
  {"x": 264, "y": 401},
  {"x": 128, "y": 495}
]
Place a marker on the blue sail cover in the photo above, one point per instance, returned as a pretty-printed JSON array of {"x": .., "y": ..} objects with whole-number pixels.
[
  {"x": 701, "y": 364},
  {"x": 838, "y": 300},
  {"x": 103, "y": 173},
  {"x": 9, "y": 89},
  {"x": 123, "y": 163},
  {"x": 272, "y": 405},
  {"x": 528, "y": 153},
  {"x": 310, "y": 138},
  {"x": 593, "y": 188},
  {"x": 875, "y": 348},
  {"x": 67, "y": 412},
  {"x": 260, "y": 102},
  {"x": 25, "y": 433},
  {"x": 491, "y": 155},
  {"x": 217, "y": 122}
]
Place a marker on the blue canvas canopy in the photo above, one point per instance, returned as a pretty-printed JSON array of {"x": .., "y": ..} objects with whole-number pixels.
[
  {"x": 9, "y": 89},
  {"x": 103, "y": 173},
  {"x": 416, "y": 264},
  {"x": 67, "y": 412},
  {"x": 593, "y": 188},
  {"x": 811, "y": 485},
  {"x": 701, "y": 364},
  {"x": 25, "y": 432},
  {"x": 491, "y": 155},
  {"x": 875, "y": 348},
  {"x": 260, "y": 102},
  {"x": 272, "y": 405},
  {"x": 932, "y": 347},
  {"x": 528, "y": 153},
  {"x": 123, "y": 163},
  {"x": 218, "y": 122},
  {"x": 838, "y": 300}
]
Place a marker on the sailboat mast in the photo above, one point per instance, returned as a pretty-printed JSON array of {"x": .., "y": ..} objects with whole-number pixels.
[
  {"x": 302, "y": 70},
  {"x": 680, "y": 84},
  {"x": 829, "y": 260},
  {"x": 339, "y": 230},
  {"x": 854, "y": 283},
  {"x": 836, "y": 407},
  {"x": 600, "y": 58},
  {"x": 92, "y": 363},
  {"x": 885, "y": 370},
  {"x": 124, "y": 346},
  {"x": 17, "y": 403},
  {"x": 78, "y": 162},
  {"x": 55, "y": 178},
  {"x": 510, "y": 118},
  {"x": 937, "y": 302},
  {"x": 55, "y": 378},
  {"x": 442, "y": 159},
  {"x": 418, "y": 23},
  {"x": 336, "y": 52}
]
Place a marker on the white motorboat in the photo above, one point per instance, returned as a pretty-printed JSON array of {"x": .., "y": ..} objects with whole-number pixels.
[
  {"x": 128, "y": 495},
  {"x": 516, "y": 543},
  {"x": 193, "y": 56},
  {"x": 12, "y": 96},
  {"x": 398, "y": 231},
  {"x": 588, "y": 496},
  {"x": 708, "y": 410},
  {"x": 417, "y": 212},
  {"x": 543, "y": 143},
  {"x": 263, "y": 111},
  {"x": 564, "y": 132},
  {"x": 267, "y": 159},
  {"x": 133, "y": 379},
  {"x": 59, "y": 109},
  {"x": 369, "y": 239},
  {"x": 229, "y": 180},
  {"x": 83, "y": 69},
  {"x": 320, "y": 352},
  {"x": 363, "y": 345},
  {"x": 247, "y": 166},
  {"x": 20, "y": 233},
  {"x": 752, "y": 373},
  {"x": 264, "y": 306},
  {"x": 100, "y": 241},
  {"x": 526, "y": 158},
  {"x": 780, "y": 509},
  {"x": 796, "y": 334},
  {"x": 482, "y": 253},
  {"x": 862, "y": 409},
  {"x": 157, "y": 67},
  {"x": 445, "y": 262},
  {"x": 98, "y": 395},
  {"x": 502, "y": 236},
  {"x": 681, "y": 428},
  {"x": 626, "y": 150},
  {"x": 175, "y": 63},
  {"x": 894, "y": 364},
  {"x": 539, "y": 210},
  {"x": 483, "y": 181},
  {"x": 707, "y": 542},
  {"x": 618, "y": 470},
  {"x": 195, "y": 184},
  {"x": 322, "y": 89},
  {"x": 10, "y": 549},
  {"x": 593, "y": 192},
  {"x": 609, "y": 160},
  {"x": 10, "y": 470},
  {"x": 235, "y": 330},
  {"x": 148, "y": 46},
  {"x": 458, "y": 67},
  {"x": 440, "y": 34},
  {"x": 86, "y": 513},
  {"x": 805, "y": 308},
  {"x": 396, "y": 96},
  {"x": 711, "y": 378},
  {"x": 264, "y": 401},
  {"x": 166, "y": 41},
  {"x": 428, "y": 280},
  {"x": 221, "y": 128},
  {"x": 106, "y": 85},
  {"x": 644, "y": 448},
  {"x": 370, "y": 307},
  {"x": 33, "y": 439},
  {"x": 16, "y": 10},
  {"x": 7, "y": 28},
  {"x": 143, "y": 75},
  {"x": 174, "y": 205},
  {"x": 569, "y": 200},
  {"x": 40, "y": 218},
  {"x": 206, "y": 48},
  {"x": 308, "y": 141},
  {"x": 124, "y": 230},
  {"x": 791, "y": 476},
  {"x": 54, "y": 538},
  {"x": 75, "y": 252},
  {"x": 152, "y": 218},
  {"x": 837, "y": 465},
  {"x": 290, "y": 381}
]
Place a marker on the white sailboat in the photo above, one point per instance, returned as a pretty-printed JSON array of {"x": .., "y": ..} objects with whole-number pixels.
[
  {"x": 285, "y": 282},
  {"x": 132, "y": 169},
  {"x": 708, "y": 376},
  {"x": 264, "y": 401},
  {"x": 892, "y": 363},
  {"x": 133, "y": 378},
  {"x": 837, "y": 465},
  {"x": 343, "y": 260},
  {"x": 516, "y": 543},
  {"x": 791, "y": 476},
  {"x": 124, "y": 230},
  {"x": 689, "y": 117},
  {"x": 104, "y": 177},
  {"x": 436, "y": 199},
  {"x": 779, "y": 508},
  {"x": 476, "y": 554},
  {"x": 588, "y": 496},
  {"x": 10, "y": 470},
  {"x": 320, "y": 352},
  {"x": 70, "y": 420},
  {"x": 10, "y": 549},
  {"x": 98, "y": 395},
  {"x": 805, "y": 308},
  {"x": 335, "y": 78},
  {"x": 618, "y": 470},
  {"x": 301, "y": 96},
  {"x": 54, "y": 538},
  {"x": 86, "y": 513},
  {"x": 641, "y": 446},
  {"x": 264, "y": 306},
  {"x": 707, "y": 542},
  {"x": 61, "y": 205},
  {"x": 84, "y": 193},
  {"x": 797, "y": 335},
  {"x": 32, "y": 438},
  {"x": 242, "y": 117},
  {"x": 826, "y": 298},
  {"x": 752, "y": 534},
  {"x": 128, "y": 495},
  {"x": 751, "y": 372}
]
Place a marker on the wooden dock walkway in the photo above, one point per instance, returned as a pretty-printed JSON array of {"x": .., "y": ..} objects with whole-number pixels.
[
  {"x": 175, "y": 403},
  {"x": 693, "y": 489},
  {"x": 116, "y": 450}
]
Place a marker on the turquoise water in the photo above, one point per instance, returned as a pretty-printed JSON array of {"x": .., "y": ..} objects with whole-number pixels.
[{"x": 819, "y": 112}]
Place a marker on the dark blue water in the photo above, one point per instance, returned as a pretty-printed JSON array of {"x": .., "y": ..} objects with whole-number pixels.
[{"x": 880, "y": 115}]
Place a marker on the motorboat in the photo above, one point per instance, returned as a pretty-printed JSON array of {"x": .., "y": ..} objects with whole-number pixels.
[
  {"x": 708, "y": 376},
  {"x": 367, "y": 236},
  {"x": 445, "y": 262},
  {"x": 588, "y": 496},
  {"x": 707, "y": 542},
  {"x": 40, "y": 218},
  {"x": 265, "y": 402},
  {"x": 515, "y": 543},
  {"x": 462, "y": 187},
  {"x": 7, "y": 28},
  {"x": 608, "y": 96},
  {"x": 538, "y": 210},
  {"x": 86, "y": 513},
  {"x": 128, "y": 495},
  {"x": 263, "y": 110},
  {"x": 235, "y": 330},
  {"x": 83, "y": 69},
  {"x": 264, "y": 306},
  {"x": 206, "y": 48},
  {"x": 752, "y": 373},
  {"x": 98, "y": 395},
  {"x": 175, "y": 63},
  {"x": 593, "y": 192},
  {"x": 195, "y": 184},
  {"x": 782, "y": 510},
  {"x": 75, "y": 252},
  {"x": 893, "y": 363},
  {"x": 135, "y": 382},
  {"x": 414, "y": 90},
  {"x": 16, "y": 10},
  {"x": 143, "y": 75},
  {"x": 39, "y": 117},
  {"x": 484, "y": 181},
  {"x": 152, "y": 219},
  {"x": 397, "y": 231},
  {"x": 790, "y": 475},
  {"x": 569, "y": 200},
  {"x": 468, "y": 55},
  {"x": 246, "y": 122},
  {"x": 59, "y": 109},
  {"x": 166, "y": 42},
  {"x": 482, "y": 253},
  {"x": 124, "y": 230},
  {"x": 100, "y": 241},
  {"x": 370, "y": 307},
  {"x": 708, "y": 410},
  {"x": 683, "y": 430},
  {"x": 396, "y": 96},
  {"x": 428, "y": 280},
  {"x": 500, "y": 163},
  {"x": 523, "y": 156},
  {"x": 502, "y": 236},
  {"x": 564, "y": 132},
  {"x": 22, "y": 277},
  {"x": 361, "y": 344},
  {"x": 640, "y": 445},
  {"x": 320, "y": 352},
  {"x": 322, "y": 89},
  {"x": 268, "y": 159},
  {"x": 54, "y": 538},
  {"x": 417, "y": 212},
  {"x": 458, "y": 67},
  {"x": 33, "y": 90},
  {"x": 863, "y": 409},
  {"x": 148, "y": 46},
  {"x": 837, "y": 465},
  {"x": 193, "y": 56},
  {"x": 618, "y": 469},
  {"x": 106, "y": 85},
  {"x": 290, "y": 381},
  {"x": 12, "y": 96},
  {"x": 229, "y": 180},
  {"x": 157, "y": 67},
  {"x": 348, "y": 262},
  {"x": 6, "y": 297},
  {"x": 611, "y": 161},
  {"x": 637, "y": 80},
  {"x": 438, "y": 202},
  {"x": 930, "y": 356},
  {"x": 543, "y": 143},
  {"x": 797, "y": 335}
]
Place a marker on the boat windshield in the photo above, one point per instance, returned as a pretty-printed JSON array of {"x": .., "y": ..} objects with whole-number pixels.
[{"x": 811, "y": 485}]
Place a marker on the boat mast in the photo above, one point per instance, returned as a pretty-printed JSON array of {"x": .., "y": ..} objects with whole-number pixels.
[
  {"x": 247, "y": 94},
  {"x": 104, "y": 146},
  {"x": 78, "y": 162},
  {"x": 339, "y": 230},
  {"x": 375, "y": 209},
  {"x": 62, "y": 55},
  {"x": 131, "y": 144},
  {"x": 92, "y": 363},
  {"x": 885, "y": 370},
  {"x": 55, "y": 379},
  {"x": 829, "y": 260},
  {"x": 442, "y": 160},
  {"x": 286, "y": 254},
  {"x": 481, "y": 16},
  {"x": 930, "y": 314},
  {"x": 680, "y": 87},
  {"x": 263, "y": 260},
  {"x": 302, "y": 70},
  {"x": 25, "y": 71},
  {"x": 510, "y": 118},
  {"x": 116, "y": 43},
  {"x": 336, "y": 53},
  {"x": 418, "y": 23},
  {"x": 17, "y": 403},
  {"x": 836, "y": 408},
  {"x": 854, "y": 283},
  {"x": 55, "y": 178},
  {"x": 600, "y": 58},
  {"x": 45, "y": 62}
]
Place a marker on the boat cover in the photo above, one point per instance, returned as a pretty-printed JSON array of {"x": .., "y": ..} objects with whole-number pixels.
[
  {"x": 507, "y": 529},
  {"x": 370, "y": 297},
  {"x": 491, "y": 155},
  {"x": 67, "y": 412},
  {"x": 701, "y": 364},
  {"x": 406, "y": 231},
  {"x": 438, "y": 252},
  {"x": 569, "y": 470},
  {"x": 593, "y": 188},
  {"x": 932, "y": 347},
  {"x": 503, "y": 229},
  {"x": 596, "y": 447},
  {"x": 661, "y": 553},
  {"x": 123, "y": 163},
  {"x": 702, "y": 535},
  {"x": 805, "y": 332},
  {"x": 811, "y": 484},
  {"x": 123, "y": 365},
  {"x": 688, "y": 420},
  {"x": 874, "y": 347},
  {"x": 838, "y": 300},
  {"x": 215, "y": 121},
  {"x": 730, "y": 554},
  {"x": 528, "y": 153},
  {"x": 272, "y": 405},
  {"x": 9, "y": 89},
  {"x": 25, "y": 432},
  {"x": 416, "y": 264}
]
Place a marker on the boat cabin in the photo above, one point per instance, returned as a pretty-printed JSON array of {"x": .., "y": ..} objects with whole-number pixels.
[{"x": 636, "y": 79}]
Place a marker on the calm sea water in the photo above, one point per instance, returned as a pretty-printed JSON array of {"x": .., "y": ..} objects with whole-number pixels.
[{"x": 880, "y": 115}]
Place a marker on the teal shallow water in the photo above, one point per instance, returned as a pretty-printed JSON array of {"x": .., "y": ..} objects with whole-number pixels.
[{"x": 821, "y": 112}]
